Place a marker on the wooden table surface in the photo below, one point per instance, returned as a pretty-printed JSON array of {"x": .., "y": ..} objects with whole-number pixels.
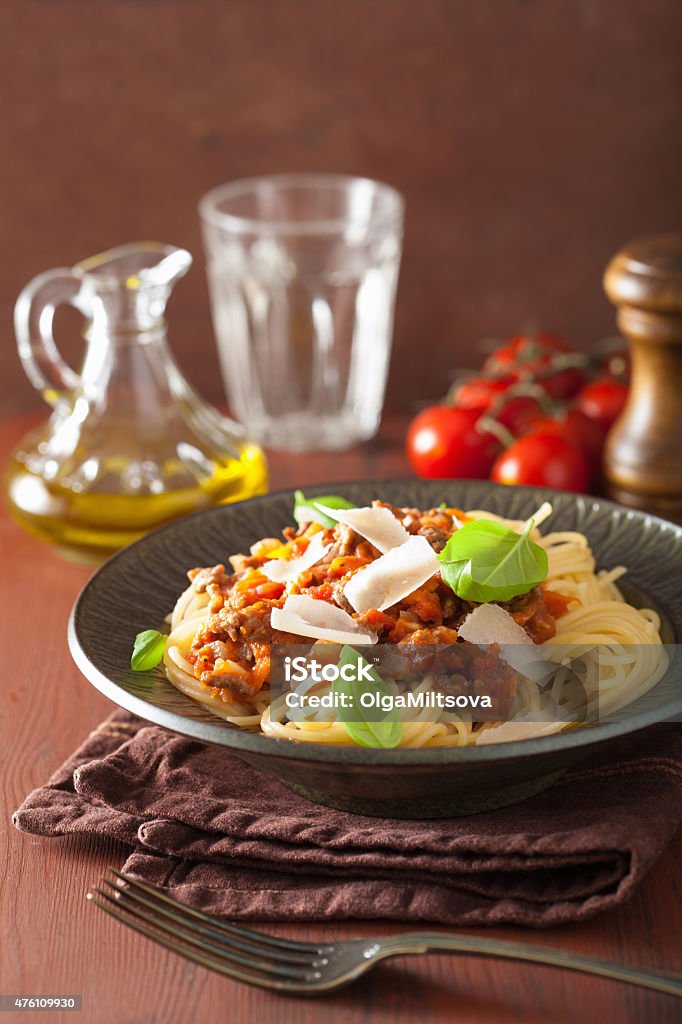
[{"x": 53, "y": 942}]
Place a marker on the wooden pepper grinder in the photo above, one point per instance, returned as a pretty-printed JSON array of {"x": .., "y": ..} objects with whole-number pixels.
[{"x": 643, "y": 459}]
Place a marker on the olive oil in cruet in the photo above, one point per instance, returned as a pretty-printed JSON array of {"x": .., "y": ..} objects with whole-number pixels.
[{"x": 129, "y": 445}]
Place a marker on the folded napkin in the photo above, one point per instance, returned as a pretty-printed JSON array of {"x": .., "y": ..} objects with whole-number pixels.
[{"x": 216, "y": 833}]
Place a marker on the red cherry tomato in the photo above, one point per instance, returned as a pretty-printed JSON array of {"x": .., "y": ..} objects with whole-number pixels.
[
  {"x": 482, "y": 392},
  {"x": 576, "y": 428},
  {"x": 545, "y": 461},
  {"x": 526, "y": 349},
  {"x": 515, "y": 412},
  {"x": 519, "y": 413},
  {"x": 603, "y": 401},
  {"x": 533, "y": 357},
  {"x": 443, "y": 441}
]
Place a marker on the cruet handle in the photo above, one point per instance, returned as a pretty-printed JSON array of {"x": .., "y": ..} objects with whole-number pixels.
[{"x": 33, "y": 317}]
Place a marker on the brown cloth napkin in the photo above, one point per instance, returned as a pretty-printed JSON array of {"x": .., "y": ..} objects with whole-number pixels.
[{"x": 219, "y": 835}]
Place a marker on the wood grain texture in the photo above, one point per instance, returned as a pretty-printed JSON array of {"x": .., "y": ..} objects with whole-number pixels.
[
  {"x": 52, "y": 941},
  {"x": 531, "y": 138}
]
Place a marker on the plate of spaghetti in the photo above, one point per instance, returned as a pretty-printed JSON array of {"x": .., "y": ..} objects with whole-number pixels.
[{"x": 560, "y": 612}]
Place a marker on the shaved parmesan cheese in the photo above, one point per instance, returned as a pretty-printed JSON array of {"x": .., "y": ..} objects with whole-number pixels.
[
  {"x": 490, "y": 624},
  {"x": 393, "y": 576},
  {"x": 377, "y": 525},
  {"x": 307, "y": 616},
  {"x": 544, "y": 512},
  {"x": 281, "y": 570}
]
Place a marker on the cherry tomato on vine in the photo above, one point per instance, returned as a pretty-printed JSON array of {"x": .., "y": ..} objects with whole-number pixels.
[
  {"x": 537, "y": 357},
  {"x": 533, "y": 350},
  {"x": 545, "y": 461},
  {"x": 482, "y": 392},
  {"x": 520, "y": 413},
  {"x": 576, "y": 428},
  {"x": 516, "y": 412},
  {"x": 603, "y": 401},
  {"x": 442, "y": 441}
]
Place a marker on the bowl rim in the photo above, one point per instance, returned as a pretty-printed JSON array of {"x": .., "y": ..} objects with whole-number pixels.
[{"x": 245, "y": 742}]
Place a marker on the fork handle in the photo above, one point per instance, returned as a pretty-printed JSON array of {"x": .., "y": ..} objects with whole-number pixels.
[{"x": 424, "y": 942}]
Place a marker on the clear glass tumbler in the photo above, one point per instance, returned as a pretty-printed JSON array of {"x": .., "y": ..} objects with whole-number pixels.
[{"x": 302, "y": 272}]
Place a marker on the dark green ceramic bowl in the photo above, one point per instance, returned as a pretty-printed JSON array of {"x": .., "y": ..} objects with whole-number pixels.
[{"x": 135, "y": 589}]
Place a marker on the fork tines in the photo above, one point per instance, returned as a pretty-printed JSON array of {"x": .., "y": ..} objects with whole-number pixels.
[{"x": 237, "y": 952}]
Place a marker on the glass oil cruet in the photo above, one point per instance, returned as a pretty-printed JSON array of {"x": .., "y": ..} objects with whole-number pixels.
[{"x": 129, "y": 445}]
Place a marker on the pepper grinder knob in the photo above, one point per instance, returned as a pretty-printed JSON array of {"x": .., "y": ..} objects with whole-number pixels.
[{"x": 643, "y": 457}]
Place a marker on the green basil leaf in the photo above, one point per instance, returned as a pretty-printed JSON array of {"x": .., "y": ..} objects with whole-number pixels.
[
  {"x": 148, "y": 650},
  {"x": 306, "y": 511},
  {"x": 387, "y": 732},
  {"x": 486, "y": 561}
]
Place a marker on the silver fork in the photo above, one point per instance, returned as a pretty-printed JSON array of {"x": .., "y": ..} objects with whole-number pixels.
[{"x": 308, "y": 968}]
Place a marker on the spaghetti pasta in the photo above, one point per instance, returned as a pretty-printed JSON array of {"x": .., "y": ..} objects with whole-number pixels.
[{"x": 218, "y": 647}]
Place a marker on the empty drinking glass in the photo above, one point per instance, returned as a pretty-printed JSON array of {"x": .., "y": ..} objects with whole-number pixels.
[{"x": 302, "y": 272}]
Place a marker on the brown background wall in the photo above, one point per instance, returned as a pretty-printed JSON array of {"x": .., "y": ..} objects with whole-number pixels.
[{"x": 531, "y": 138}]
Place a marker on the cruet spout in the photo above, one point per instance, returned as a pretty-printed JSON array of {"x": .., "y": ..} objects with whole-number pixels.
[
  {"x": 138, "y": 265},
  {"x": 130, "y": 285}
]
